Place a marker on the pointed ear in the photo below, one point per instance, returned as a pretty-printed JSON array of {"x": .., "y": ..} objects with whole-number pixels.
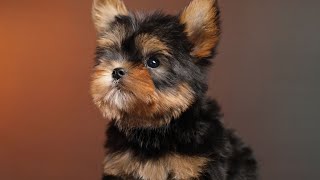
[
  {"x": 201, "y": 19},
  {"x": 105, "y": 11}
]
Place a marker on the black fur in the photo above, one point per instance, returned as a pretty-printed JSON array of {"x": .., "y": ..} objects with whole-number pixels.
[{"x": 198, "y": 131}]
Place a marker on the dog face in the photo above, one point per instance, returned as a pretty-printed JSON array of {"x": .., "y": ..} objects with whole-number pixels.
[{"x": 150, "y": 68}]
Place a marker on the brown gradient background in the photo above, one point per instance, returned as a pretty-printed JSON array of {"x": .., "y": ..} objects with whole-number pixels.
[{"x": 266, "y": 78}]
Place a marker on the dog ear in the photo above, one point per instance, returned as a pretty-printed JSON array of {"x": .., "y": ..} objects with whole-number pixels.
[
  {"x": 201, "y": 20},
  {"x": 105, "y": 11}
]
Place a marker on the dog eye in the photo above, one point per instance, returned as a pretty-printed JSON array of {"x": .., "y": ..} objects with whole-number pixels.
[{"x": 153, "y": 62}]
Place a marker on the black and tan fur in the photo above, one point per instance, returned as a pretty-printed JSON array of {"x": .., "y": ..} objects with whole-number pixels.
[{"x": 162, "y": 126}]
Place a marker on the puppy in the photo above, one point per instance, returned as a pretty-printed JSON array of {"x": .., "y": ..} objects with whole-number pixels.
[{"x": 149, "y": 80}]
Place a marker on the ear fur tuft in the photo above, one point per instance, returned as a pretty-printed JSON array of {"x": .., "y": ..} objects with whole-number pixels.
[
  {"x": 105, "y": 11},
  {"x": 201, "y": 19}
]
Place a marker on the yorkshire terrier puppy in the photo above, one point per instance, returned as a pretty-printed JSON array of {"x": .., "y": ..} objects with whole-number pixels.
[{"x": 149, "y": 80}]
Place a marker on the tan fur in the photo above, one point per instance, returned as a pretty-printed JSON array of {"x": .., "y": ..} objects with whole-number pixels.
[
  {"x": 200, "y": 18},
  {"x": 170, "y": 103},
  {"x": 178, "y": 166},
  {"x": 112, "y": 38},
  {"x": 104, "y": 12},
  {"x": 186, "y": 167},
  {"x": 150, "y": 44}
]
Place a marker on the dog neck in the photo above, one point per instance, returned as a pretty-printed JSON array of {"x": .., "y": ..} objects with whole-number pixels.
[{"x": 187, "y": 134}]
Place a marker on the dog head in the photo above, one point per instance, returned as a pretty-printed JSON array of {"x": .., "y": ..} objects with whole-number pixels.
[{"x": 151, "y": 67}]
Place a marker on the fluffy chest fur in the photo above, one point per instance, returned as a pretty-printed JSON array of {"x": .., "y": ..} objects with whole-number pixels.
[{"x": 173, "y": 166}]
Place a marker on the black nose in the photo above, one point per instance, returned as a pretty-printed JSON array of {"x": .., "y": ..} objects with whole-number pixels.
[{"x": 118, "y": 73}]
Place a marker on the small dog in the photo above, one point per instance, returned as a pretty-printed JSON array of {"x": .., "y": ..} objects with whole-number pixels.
[{"x": 150, "y": 81}]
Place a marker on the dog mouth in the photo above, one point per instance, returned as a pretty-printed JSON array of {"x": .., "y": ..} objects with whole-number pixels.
[
  {"x": 116, "y": 84},
  {"x": 123, "y": 96},
  {"x": 119, "y": 85},
  {"x": 120, "y": 97}
]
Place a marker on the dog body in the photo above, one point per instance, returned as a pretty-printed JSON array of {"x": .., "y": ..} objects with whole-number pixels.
[{"x": 150, "y": 81}]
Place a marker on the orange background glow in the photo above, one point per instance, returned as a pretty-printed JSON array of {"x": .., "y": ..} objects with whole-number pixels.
[{"x": 266, "y": 77}]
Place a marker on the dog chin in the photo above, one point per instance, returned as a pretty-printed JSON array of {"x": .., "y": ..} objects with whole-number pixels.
[{"x": 120, "y": 99}]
